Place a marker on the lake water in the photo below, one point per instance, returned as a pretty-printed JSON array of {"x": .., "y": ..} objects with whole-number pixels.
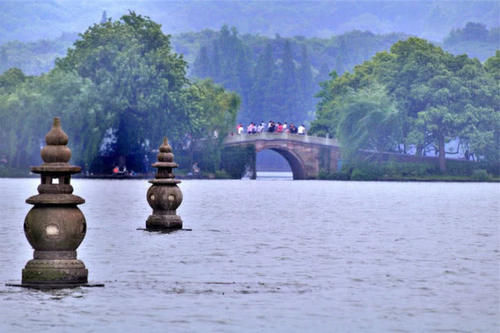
[{"x": 271, "y": 255}]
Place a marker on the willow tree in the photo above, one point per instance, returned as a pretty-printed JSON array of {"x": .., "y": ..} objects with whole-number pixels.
[
  {"x": 27, "y": 109},
  {"x": 368, "y": 120}
]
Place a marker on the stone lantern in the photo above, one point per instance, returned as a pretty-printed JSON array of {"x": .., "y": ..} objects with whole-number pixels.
[
  {"x": 164, "y": 196},
  {"x": 55, "y": 226}
]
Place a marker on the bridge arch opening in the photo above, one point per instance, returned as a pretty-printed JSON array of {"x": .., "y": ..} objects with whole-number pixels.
[
  {"x": 294, "y": 161},
  {"x": 268, "y": 160}
]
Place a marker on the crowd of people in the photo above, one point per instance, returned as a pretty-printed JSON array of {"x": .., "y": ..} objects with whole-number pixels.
[{"x": 271, "y": 127}]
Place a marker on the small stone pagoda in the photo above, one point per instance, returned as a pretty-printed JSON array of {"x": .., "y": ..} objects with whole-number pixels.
[
  {"x": 55, "y": 226},
  {"x": 164, "y": 196}
]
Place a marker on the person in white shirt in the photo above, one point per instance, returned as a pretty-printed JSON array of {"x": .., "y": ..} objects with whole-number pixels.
[{"x": 301, "y": 130}]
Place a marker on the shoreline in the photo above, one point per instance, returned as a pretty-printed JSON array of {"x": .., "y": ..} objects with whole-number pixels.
[{"x": 443, "y": 179}]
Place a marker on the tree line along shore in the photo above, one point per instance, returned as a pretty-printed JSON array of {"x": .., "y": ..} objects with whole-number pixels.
[{"x": 121, "y": 87}]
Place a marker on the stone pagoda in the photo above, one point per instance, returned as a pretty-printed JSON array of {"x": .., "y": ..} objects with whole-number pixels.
[
  {"x": 55, "y": 226},
  {"x": 164, "y": 196}
]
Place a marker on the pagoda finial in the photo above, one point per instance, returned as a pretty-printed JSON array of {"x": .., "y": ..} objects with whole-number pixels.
[
  {"x": 165, "y": 147},
  {"x": 165, "y": 155},
  {"x": 56, "y": 151}
]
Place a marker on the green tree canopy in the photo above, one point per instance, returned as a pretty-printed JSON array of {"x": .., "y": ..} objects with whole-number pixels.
[
  {"x": 119, "y": 90},
  {"x": 141, "y": 80},
  {"x": 438, "y": 98}
]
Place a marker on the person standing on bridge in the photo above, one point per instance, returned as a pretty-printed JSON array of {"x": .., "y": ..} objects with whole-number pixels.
[
  {"x": 301, "y": 130},
  {"x": 260, "y": 127},
  {"x": 271, "y": 127},
  {"x": 239, "y": 129},
  {"x": 250, "y": 128}
]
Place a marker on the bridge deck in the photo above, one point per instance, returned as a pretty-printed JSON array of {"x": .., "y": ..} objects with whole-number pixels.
[{"x": 266, "y": 136}]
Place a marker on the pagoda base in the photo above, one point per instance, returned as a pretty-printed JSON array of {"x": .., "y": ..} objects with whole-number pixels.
[
  {"x": 54, "y": 273},
  {"x": 48, "y": 286},
  {"x": 163, "y": 222}
]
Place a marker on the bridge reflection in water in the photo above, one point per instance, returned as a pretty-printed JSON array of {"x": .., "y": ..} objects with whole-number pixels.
[{"x": 306, "y": 154}]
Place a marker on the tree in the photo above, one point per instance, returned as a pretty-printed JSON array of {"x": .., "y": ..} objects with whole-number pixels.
[
  {"x": 368, "y": 120},
  {"x": 104, "y": 17},
  {"x": 439, "y": 92},
  {"x": 202, "y": 65},
  {"x": 11, "y": 79},
  {"x": 439, "y": 98},
  {"x": 482, "y": 133},
  {"x": 210, "y": 112},
  {"x": 227, "y": 63},
  {"x": 28, "y": 110},
  {"x": 492, "y": 66},
  {"x": 262, "y": 87},
  {"x": 140, "y": 78},
  {"x": 118, "y": 92},
  {"x": 325, "y": 122},
  {"x": 289, "y": 88},
  {"x": 305, "y": 82}
]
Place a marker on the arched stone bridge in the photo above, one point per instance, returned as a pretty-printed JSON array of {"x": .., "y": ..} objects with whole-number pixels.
[{"x": 306, "y": 154}]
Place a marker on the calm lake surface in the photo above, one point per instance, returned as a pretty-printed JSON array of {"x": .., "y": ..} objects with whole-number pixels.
[{"x": 271, "y": 255}]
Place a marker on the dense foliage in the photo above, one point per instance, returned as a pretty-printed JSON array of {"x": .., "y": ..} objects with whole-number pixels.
[
  {"x": 123, "y": 83},
  {"x": 457, "y": 170},
  {"x": 415, "y": 98},
  {"x": 277, "y": 78},
  {"x": 119, "y": 90}
]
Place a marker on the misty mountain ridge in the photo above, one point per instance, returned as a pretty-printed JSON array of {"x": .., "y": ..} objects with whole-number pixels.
[
  {"x": 432, "y": 20},
  {"x": 474, "y": 39}
]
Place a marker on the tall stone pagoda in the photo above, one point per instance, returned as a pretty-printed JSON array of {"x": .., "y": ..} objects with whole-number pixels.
[
  {"x": 164, "y": 196},
  {"x": 55, "y": 226}
]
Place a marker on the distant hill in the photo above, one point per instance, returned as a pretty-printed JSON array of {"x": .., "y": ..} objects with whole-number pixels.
[
  {"x": 473, "y": 39},
  {"x": 35, "y": 57},
  {"x": 30, "y": 20}
]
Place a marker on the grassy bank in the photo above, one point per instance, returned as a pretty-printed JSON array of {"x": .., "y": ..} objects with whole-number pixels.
[{"x": 423, "y": 172}]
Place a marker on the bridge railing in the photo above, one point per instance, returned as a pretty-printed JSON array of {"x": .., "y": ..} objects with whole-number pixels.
[{"x": 267, "y": 136}]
